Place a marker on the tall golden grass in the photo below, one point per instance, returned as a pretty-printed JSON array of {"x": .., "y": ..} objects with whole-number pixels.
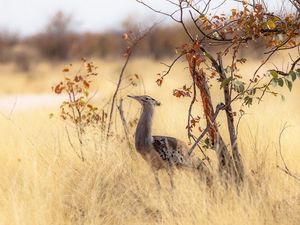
[{"x": 44, "y": 182}]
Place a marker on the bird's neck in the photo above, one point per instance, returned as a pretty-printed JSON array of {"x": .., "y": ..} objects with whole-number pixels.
[{"x": 143, "y": 136}]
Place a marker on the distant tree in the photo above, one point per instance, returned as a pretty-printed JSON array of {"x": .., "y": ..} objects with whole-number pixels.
[
  {"x": 7, "y": 41},
  {"x": 57, "y": 39}
]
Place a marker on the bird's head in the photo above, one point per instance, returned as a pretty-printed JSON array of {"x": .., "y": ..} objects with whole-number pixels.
[{"x": 145, "y": 100}]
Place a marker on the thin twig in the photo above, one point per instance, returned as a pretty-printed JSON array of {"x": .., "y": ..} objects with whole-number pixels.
[
  {"x": 165, "y": 73},
  {"x": 208, "y": 35},
  {"x": 238, "y": 123},
  {"x": 159, "y": 11},
  {"x": 128, "y": 56},
  {"x": 295, "y": 63},
  {"x": 280, "y": 146},
  {"x": 193, "y": 99},
  {"x": 183, "y": 23},
  {"x": 285, "y": 169},
  {"x": 116, "y": 92},
  {"x": 126, "y": 130},
  {"x": 219, "y": 107},
  {"x": 80, "y": 156},
  {"x": 230, "y": 123}
]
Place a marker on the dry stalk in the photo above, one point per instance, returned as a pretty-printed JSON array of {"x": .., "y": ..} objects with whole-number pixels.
[{"x": 124, "y": 123}]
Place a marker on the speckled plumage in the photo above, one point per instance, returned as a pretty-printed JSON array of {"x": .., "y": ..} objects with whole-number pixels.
[
  {"x": 170, "y": 150},
  {"x": 159, "y": 151}
]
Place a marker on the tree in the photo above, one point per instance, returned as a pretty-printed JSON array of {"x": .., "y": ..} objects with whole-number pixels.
[
  {"x": 56, "y": 41},
  {"x": 250, "y": 22}
]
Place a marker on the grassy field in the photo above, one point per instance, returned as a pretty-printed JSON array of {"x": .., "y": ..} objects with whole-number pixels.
[{"x": 44, "y": 182}]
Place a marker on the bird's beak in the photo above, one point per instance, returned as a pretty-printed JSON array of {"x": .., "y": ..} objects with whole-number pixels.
[
  {"x": 158, "y": 103},
  {"x": 134, "y": 97},
  {"x": 131, "y": 96}
]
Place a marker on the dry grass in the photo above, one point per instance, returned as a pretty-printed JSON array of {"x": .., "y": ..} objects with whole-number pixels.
[{"x": 43, "y": 181}]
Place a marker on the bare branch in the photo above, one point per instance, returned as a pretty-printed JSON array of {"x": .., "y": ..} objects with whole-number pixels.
[
  {"x": 206, "y": 8},
  {"x": 294, "y": 64},
  {"x": 183, "y": 24},
  {"x": 126, "y": 130},
  {"x": 296, "y": 3},
  {"x": 117, "y": 90},
  {"x": 129, "y": 52},
  {"x": 159, "y": 11},
  {"x": 165, "y": 73},
  {"x": 264, "y": 91},
  {"x": 172, "y": 3},
  {"x": 218, "y": 6}
]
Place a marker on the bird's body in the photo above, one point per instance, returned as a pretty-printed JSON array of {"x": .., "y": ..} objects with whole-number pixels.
[
  {"x": 165, "y": 152},
  {"x": 171, "y": 150},
  {"x": 159, "y": 151}
]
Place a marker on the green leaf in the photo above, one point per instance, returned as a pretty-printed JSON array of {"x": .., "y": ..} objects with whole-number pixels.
[
  {"x": 238, "y": 86},
  {"x": 248, "y": 100},
  {"x": 298, "y": 72},
  {"x": 289, "y": 84},
  {"x": 228, "y": 69},
  {"x": 252, "y": 91},
  {"x": 226, "y": 81},
  {"x": 274, "y": 74},
  {"x": 280, "y": 82},
  {"x": 293, "y": 75},
  {"x": 271, "y": 24},
  {"x": 274, "y": 82}
]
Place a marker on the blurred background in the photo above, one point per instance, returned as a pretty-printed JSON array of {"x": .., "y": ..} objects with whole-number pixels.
[
  {"x": 39, "y": 38},
  {"x": 34, "y": 31}
]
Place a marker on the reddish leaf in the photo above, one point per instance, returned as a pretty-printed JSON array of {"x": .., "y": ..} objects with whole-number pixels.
[
  {"x": 159, "y": 81},
  {"x": 86, "y": 84},
  {"x": 58, "y": 89}
]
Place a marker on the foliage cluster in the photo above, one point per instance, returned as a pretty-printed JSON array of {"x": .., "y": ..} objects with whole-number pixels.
[{"x": 78, "y": 108}]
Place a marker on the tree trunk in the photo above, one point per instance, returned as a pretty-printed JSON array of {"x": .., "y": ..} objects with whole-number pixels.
[
  {"x": 226, "y": 166},
  {"x": 231, "y": 128}
]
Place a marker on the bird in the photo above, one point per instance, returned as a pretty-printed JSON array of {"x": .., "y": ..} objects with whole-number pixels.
[{"x": 161, "y": 152}]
